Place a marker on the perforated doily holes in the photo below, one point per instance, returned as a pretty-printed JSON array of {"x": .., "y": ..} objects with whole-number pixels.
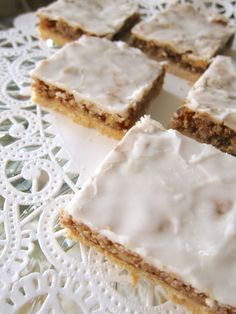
[{"x": 34, "y": 170}]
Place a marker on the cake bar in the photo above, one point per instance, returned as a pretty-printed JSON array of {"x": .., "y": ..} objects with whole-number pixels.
[
  {"x": 209, "y": 112},
  {"x": 98, "y": 83},
  {"x": 67, "y": 20},
  {"x": 164, "y": 206},
  {"x": 185, "y": 37}
]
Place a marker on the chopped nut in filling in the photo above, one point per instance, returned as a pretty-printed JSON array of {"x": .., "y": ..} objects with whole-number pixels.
[
  {"x": 68, "y": 100},
  {"x": 209, "y": 112},
  {"x": 201, "y": 127},
  {"x": 162, "y": 53},
  {"x": 115, "y": 121},
  {"x": 62, "y": 28}
]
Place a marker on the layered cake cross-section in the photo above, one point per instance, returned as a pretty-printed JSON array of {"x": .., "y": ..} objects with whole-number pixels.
[
  {"x": 209, "y": 112},
  {"x": 98, "y": 83},
  {"x": 67, "y": 20},
  {"x": 164, "y": 206},
  {"x": 185, "y": 37}
]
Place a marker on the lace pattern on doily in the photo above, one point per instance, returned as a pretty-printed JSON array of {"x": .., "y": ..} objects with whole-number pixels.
[{"x": 41, "y": 270}]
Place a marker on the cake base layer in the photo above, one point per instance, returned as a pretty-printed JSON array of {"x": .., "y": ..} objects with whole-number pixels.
[
  {"x": 177, "y": 291},
  {"x": 61, "y": 32},
  {"x": 178, "y": 64},
  {"x": 77, "y": 116},
  {"x": 177, "y": 67},
  {"x": 203, "y": 128},
  {"x": 108, "y": 124}
]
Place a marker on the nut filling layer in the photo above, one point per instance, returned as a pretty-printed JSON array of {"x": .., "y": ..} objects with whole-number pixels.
[
  {"x": 161, "y": 53},
  {"x": 62, "y": 28},
  {"x": 68, "y": 105},
  {"x": 201, "y": 127},
  {"x": 98, "y": 83},
  {"x": 70, "y": 33},
  {"x": 67, "y": 20},
  {"x": 209, "y": 112},
  {"x": 67, "y": 100}
]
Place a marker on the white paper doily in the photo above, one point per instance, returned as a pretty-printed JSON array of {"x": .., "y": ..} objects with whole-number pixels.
[{"x": 43, "y": 161}]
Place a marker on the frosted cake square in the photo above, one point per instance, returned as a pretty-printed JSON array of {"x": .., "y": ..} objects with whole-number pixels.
[
  {"x": 209, "y": 112},
  {"x": 67, "y": 20},
  {"x": 164, "y": 206},
  {"x": 185, "y": 37},
  {"x": 98, "y": 83}
]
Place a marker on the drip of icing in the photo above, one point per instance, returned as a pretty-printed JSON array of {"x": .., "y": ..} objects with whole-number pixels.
[
  {"x": 186, "y": 31},
  {"x": 110, "y": 75},
  {"x": 97, "y": 17},
  {"x": 171, "y": 200},
  {"x": 215, "y": 92}
]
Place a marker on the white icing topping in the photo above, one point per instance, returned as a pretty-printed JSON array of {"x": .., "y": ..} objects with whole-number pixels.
[
  {"x": 186, "y": 31},
  {"x": 215, "y": 92},
  {"x": 172, "y": 200},
  {"x": 97, "y": 17},
  {"x": 111, "y": 75}
]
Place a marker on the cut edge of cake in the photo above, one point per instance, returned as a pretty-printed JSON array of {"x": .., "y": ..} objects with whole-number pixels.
[
  {"x": 61, "y": 31},
  {"x": 54, "y": 33},
  {"x": 177, "y": 290},
  {"x": 202, "y": 125},
  {"x": 181, "y": 64},
  {"x": 86, "y": 112},
  {"x": 205, "y": 129},
  {"x": 80, "y": 114}
]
